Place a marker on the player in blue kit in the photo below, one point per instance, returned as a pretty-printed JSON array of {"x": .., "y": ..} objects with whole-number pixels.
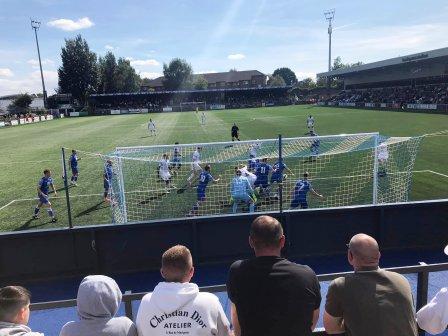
[
  {"x": 107, "y": 180},
  {"x": 277, "y": 174},
  {"x": 204, "y": 178},
  {"x": 177, "y": 157},
  {"x": 301, "y": 189},
  {"x": 252, "y": 163},
  {"x": 74, "y": 167},
  {"x": 43, "y": 190},
  {"x": 262, "y": 172}
]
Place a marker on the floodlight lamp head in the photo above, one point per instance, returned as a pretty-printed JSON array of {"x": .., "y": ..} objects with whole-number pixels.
[
  {"x": 329, "y": 15},
  {"x": 35, "y": 24}
]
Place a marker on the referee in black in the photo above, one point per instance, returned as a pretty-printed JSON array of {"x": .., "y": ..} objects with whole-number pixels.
[{"x": 235, "y": 131}]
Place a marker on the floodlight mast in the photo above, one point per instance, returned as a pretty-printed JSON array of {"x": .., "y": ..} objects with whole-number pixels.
[
  {"x": 329, "y": 16},
  {"x": 36, "y": 25}
]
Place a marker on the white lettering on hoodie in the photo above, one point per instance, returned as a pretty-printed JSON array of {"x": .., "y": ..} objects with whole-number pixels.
[{"x": 180, "y": 309}]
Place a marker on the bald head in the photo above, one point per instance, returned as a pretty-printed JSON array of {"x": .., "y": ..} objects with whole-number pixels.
[
  {"x": 266, "y": 232},
  {"x": 365, "y": 250}
]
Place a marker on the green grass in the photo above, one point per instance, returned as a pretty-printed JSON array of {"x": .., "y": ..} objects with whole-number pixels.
[{"x": 27, "y": 150}]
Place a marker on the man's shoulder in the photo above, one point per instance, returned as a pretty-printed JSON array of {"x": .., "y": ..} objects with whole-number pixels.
[
  {"x": 298, "y": 269},
  {"x": 208, "y": 300}
]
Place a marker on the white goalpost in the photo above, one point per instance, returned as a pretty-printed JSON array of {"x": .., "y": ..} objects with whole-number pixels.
[
  {"x": 191, "y": 106},
  {"x": 353, "y": 169}
]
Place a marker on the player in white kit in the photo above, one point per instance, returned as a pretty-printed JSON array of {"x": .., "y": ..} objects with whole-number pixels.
[
  {"x": 383, "y": 156},
  {"x": 245, "y": 172},
  {"x": 310, "y": 123},
  {"x": 152, "y": 128},
  {"x": 164, "y": 171},
  {"x": 196, "y": 168}
]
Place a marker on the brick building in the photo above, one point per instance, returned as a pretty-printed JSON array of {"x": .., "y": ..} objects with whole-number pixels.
[{"x": 219, "y": 80}]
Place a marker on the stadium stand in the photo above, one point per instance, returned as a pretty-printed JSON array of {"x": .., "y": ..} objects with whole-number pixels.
[
  {"x": 422, "y": 94},
  {"x": 214, "y": 98},
  {"x": 418, "y": 81}
]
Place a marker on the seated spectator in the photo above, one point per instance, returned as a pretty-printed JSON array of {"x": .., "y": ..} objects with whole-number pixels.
[
  {"x": 270, "y": 295},
  {"x": 371, "y": 301},
  {"x": 433, "y": 317},
  {"x": 15, "y": 312},
  {"x": 176, "y": 307},
  {"x": 99, "y": 298}
]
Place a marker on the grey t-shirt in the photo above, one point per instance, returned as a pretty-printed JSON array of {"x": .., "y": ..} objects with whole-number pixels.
[{"x": 373, "y": 303}]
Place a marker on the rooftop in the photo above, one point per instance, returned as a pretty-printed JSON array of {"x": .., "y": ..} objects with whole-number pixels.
[{"x": 426, "y": 55}]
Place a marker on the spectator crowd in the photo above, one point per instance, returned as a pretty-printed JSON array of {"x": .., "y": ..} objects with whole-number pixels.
[
  {"x": 421, "y": 94},
  {"x": 155, "y": 101},
  {"x": 269, "y": 295}
]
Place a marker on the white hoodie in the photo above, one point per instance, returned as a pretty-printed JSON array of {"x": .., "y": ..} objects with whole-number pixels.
[{"x": 180, "y": 309}]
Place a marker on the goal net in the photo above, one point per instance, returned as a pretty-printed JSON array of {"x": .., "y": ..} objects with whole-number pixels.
[
  {"x": 155, "y": 182},
  {"x": 192, "y": 106}
]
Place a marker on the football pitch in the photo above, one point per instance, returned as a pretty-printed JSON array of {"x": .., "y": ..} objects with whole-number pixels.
[{"x": 27, "y": 150}]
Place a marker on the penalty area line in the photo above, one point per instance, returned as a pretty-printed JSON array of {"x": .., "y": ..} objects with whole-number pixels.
[{"x": 432, "y": 172}]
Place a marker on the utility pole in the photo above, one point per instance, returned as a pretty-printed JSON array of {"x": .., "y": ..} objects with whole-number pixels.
[
  {"x": 329, "y": 16},
  {"x": 36, "y": 25}
]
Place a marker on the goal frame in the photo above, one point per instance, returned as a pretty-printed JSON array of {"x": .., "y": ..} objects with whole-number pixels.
[{"x": 193, "y": 103}]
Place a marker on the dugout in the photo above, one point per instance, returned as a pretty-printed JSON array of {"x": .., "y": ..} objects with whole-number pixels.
[{"x": 428, "y": 67}]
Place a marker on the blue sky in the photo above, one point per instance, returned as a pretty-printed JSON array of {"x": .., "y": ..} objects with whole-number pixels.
[{"x": 214, "y": 35}]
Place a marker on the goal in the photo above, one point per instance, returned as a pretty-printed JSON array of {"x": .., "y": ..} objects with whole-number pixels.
[
  {"x": 192, "y": 106},
  {"x": 348, "y": 170}
]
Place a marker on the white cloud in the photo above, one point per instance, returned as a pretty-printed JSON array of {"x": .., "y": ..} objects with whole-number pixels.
[
  {"x": 236, "y": 56},
  {"x": 302, "y": 75},
  {"x": 70, "y": 25},
  {"x": 108, "y": 47},
  {"x": 148, "y": 62},
  {"x": 5, "y": 72},
  {"x": 205, "y": 71},
  {"x": 150, "y": 75},
  {"x": 30, "y": 83},
  {"x": 35, "y": 63}
]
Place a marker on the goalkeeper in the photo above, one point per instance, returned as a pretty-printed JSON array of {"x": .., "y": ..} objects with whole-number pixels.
[{"x": 241, "y": 191}]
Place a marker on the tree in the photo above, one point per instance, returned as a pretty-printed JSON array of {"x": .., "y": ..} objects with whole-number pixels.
[
  {"x": 338, "y": 64},
  {"x": 178, "y": 74},
  {"x": 287, "y": 74},
  {"x": 78, "y": 74},
  {"x": 307, "y": 83},
  {"x": 276, "y": 81},
  {"x": 126, "y": 79},
  {"x": 107, "y": 66},
  {"x": 200, "y": 83},
  {"x": 22, "y": 101}
]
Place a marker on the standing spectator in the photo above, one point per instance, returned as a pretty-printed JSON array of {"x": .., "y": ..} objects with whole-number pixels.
[
  {"x": 176, "y": 307},
  {"x": 99, "y": 298},
  {"x": 433, "y": 317},
  {"x": 15, "y": 312},
  {"x": 270, "y": 295},
  {"x": 371, "y": 301}
]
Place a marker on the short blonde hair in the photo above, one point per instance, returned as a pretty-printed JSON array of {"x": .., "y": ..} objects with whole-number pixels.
[{"x": 176, "y": 263}]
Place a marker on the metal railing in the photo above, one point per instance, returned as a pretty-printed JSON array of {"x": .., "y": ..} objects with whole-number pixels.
[{"x": 423, "y": 270}]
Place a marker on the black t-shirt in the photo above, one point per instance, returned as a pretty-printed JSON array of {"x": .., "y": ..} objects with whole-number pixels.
[
  {"x": 235, "y": 129},
  {"x": 273, "y": 296}
]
